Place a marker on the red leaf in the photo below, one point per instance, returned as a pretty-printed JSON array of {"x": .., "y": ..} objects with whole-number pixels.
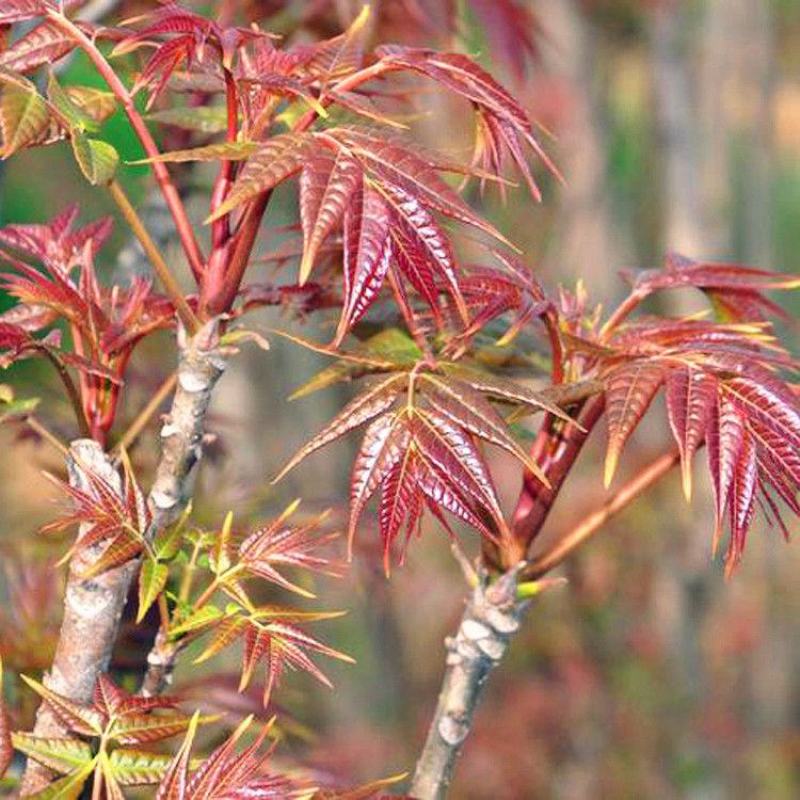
[
  {"x": 384, "y": 442},
  {"x": 280, "y": 157},
  {"x": 21, "y": 10},
  {"x": 742, "y": 501},
  {"x": 724, "y": 440},
  {"x": 691, "y": 394},
  {"x": 45, "y": 44},
  {"x": 630, "y": 389},
  {"x": 367, "y": 253},
  {"x": 327, "y": 183},
  {"x": 396, "y": 166},
  {"x": 422, "y": 242}
]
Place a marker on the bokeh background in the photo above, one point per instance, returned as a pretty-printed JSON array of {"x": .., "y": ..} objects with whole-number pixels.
[{"x": 676, "y": 124}]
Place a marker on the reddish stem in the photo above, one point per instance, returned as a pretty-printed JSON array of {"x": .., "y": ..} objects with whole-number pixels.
[
  {"x": 220, "y": 229},
  {"x": 222, "y": 292},
  {"x": 622, "y": 312},
  {"x": 555, "y": 452},
  {"x": 587, "y": 527},
  {"x": 242, "y": 243},
  {"x": 168, "y": 189}
]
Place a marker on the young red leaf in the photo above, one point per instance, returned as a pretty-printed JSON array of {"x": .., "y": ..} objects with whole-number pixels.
[
  {"x": 44, "y": 44},
  {"x": 326, "y": 185},
  {"x": 691, "y": 394},
  {"x": 78, "y": 717},
  {"x": 367, "y": 254},
  {"x": 742, "y": 501},
  {"x": 21, "y": 10},
  {"x": 630, "y": 389},
  {"x": 374, "y": 401},
  {"x": 278, "y": 159}
]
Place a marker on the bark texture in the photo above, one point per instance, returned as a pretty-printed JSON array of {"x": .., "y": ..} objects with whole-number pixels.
[
  {"x": 92, "y": 608},
  {"x": 492, "y": 615}
]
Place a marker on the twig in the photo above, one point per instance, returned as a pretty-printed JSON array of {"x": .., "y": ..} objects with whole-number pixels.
[
  {"x": 566, "y": 544},
  {"x": 46, "y": 434},
  {"x": 173, "y": 290},
  {"x": 161, "y": 173},
  {"x": 146, "y": 414},
  {"x": 72, "y": 391}
]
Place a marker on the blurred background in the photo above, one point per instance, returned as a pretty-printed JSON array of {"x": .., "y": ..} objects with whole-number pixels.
[{"x": 676, "y": 124}]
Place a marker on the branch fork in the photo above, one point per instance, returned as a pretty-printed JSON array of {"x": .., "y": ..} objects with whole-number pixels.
[{"x": 93, "y": 607}]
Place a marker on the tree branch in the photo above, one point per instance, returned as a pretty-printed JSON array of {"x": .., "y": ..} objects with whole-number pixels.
[
  {"x": 182, "y": 223},
  {"x": 573, "y": 539},
  {"x": 492, "y": 615},
  {"x": 92, "y": 608}
]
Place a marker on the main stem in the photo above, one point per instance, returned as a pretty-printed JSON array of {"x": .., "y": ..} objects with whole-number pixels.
[
  {"x": 92, "y": 608},
  {"x": 491, "y": 617}
]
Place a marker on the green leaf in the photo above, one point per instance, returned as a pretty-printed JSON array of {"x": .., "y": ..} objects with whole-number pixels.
[
  {"x": 202, "y": 119},
  {"x": 152, "y": 580},
  {"x": 168, "y": 542},
  {"x": 24, "y": 115},
  {"x": 98, "y": 160},
  {"x": 66, "y": 788},
  {"x": 95, "y": 103},
  {"x": 60, "y": 754},
  {"x": 74, "y": 116},
  {"x": 229, "y": 151},
  {"x": 136, "y": 767},
  {"x": 392, "y": 344},
  {"x": 207, "y": 615},
  {"x": 220, "y": 556}
]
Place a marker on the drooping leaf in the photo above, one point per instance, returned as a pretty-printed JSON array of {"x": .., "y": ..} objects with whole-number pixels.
[
  {"x": 691, "y": 393},
  {"x": 630, "y": 389},
  {"x": 326, "y": 185},
  {"x": 98, "y": 160},
  {"x": 24, "y": 116},
  {"x": 367, "y": 254}
]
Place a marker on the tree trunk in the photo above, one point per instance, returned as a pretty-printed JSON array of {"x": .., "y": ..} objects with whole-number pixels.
[{"x": 92, "y": 608}]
